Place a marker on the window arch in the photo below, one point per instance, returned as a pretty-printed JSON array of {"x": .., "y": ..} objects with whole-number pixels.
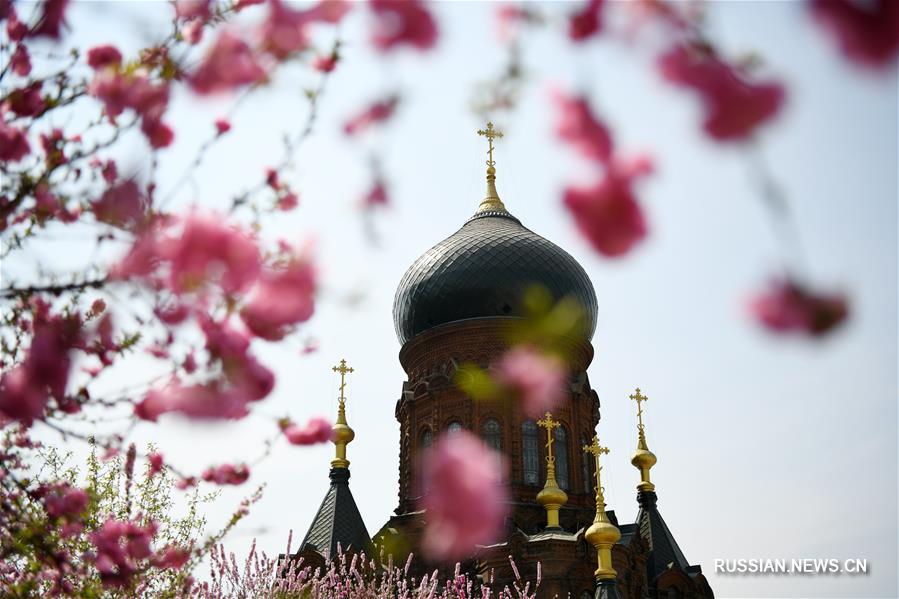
[
  {"x": 587, "y": 466},
  {"x": 426, "y": 438},
  {"x": 492, "y": 433},
  {"x": 454, "y": 427},
  {"x": 530, "y": 454},
  {"x": 560, "y": 449}
]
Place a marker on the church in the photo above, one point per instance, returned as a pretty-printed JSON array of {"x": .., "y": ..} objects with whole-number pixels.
[{"x": 461, "y": 303}]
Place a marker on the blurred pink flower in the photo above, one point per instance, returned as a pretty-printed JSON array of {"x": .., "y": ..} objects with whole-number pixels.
[
  {"x": 587, "y": 21},
  {"x": 734, "y": 107},
  {"x": 280, "y": 299},
  {"x": 867, "y": 32},
  {"x": 171, "y": 557},
  {"x": 287, "y": 201},
  {"x": 581, "y": 128},
  {"x": 241, "y": 4},
  {"x": 13, "y": 143},
  {"x": 207, "y": 402},
  {"x": 465, "y": 501},
  {"x": 193, "y": 31},
  {"x": 229, "y": 64},
  {"x": 119, "y": 91},
  {"x": 52, "y": 18},
  {"x": 64, "y": 501},
  {"x": 325, "y": 63},
  {"x": 376, "y": 113},
  {"x": 788, "y": 307},
  {"x": 103, "y": 56},
  {"x": 156, "y": 463},
  {"x": 227, "y": 474},
  {"x": 607, "y": 213},
  {"x": 98, "y": 306},
  {"x": 284, "y": 30},
  {"x": 192, "y": 9},
  {"x": 119, "y": 545},
  {"x": 536, "y": 379},
  {"x": 20, "y": 61},
  {"x": 21, "y": 398},
  {"x": 15, "y": 29},
  {"x": 26, "y": 101},
  {"x": 121, "y": 204},
  {"x": 222, "y": 126},
  {"x": 316, "y": 430},
  {"x": 401, "y": 22},
  {"x": 376, "y": 196}
]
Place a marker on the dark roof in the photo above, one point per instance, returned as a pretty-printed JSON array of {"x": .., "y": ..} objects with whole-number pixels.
[
  {"x": 483, "y": 270},
  {"x": 606, "y": 589},
  {"x": 663, "y": 549},
  {"x": 338, "y": 520}
]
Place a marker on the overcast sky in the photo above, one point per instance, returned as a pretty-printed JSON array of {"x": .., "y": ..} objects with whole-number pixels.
[{"x": 768, "y": 447}]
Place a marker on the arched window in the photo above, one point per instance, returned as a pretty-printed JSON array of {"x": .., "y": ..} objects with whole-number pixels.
[
  {"x": 561, "y": 453},
  {"x": 454, "y": 427},
  {"x": 530, "y": 453},
  {"x": 426, "y": 438},
  {"x": 492, "y": 434},
  {"x": 587, "y": 466}
]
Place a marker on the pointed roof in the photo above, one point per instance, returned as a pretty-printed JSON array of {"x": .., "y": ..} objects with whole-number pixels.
[
  {"x": 338, "y": 521},
  {"x": 664, "y": 550}
]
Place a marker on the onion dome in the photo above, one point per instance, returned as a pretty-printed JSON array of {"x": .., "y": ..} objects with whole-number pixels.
[{"x": 484, "y": 269}]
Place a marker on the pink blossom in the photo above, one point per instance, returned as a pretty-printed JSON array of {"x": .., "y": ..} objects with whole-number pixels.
[
  {"x": 789, "y": 307},
  {"x": 867, "y": 32},
  {"x": 280, "y": 299},
  {"x": 156, "y": 463},
  {"x": 241, "y": 4},
  {"x": 376, "y": 196},
  {"x": 536, "y": 379},
  {"x": 229, "y": 64},
  {"x": 121, "y": 205},
  {"x": 222, "y": 126},
  {"x": 578, "y": 126},
  {"x": 15, "y": 29},
  {"x": 401, "y": 22},
  {"x": 734, "y": 108},
  {"x": 325, "y": 63},
  {"x": 227, "y": 474},
  {"x": 607, "y": 213},
  {"x": 119, "y": 545},
  {"x": 284, "y": 30},
  {"x": 287, "y": 201},
  {"x": 98, "y": 306},
  {"x": 119, "y": 91},
  {"x": 316, "y": 430},
  {"x": 158, "y": 133},
  {"x": 21, "y": 398},
  {"x": 13, "y": 143},
  {"x": 103, "y": 56},
  {"x": 110, "y": 171},
  {"x": 174, "y": 313},
  {"x": 587, "y": 21},
  {"x": 378, "y": 112},
  {"x": 26, "y": 101},
  {"x": 20, "y": 61},
  {"x": 465, "y": 500},
  {"x": 205, "y": 402},
  {"x": 52, "y": 18},
  {"x": 65, "y": 502},
  {"x": 192, "y": 9},
  {"x": 171, "y": 557}
]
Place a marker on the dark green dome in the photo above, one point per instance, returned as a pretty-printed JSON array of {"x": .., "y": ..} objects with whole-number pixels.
[{"x": 483, "y": 270}]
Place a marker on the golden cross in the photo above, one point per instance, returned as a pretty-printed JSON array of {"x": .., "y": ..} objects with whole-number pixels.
[
  {"x": 343, "y": 369},
  {"x": 596, "y": 449},
  {"x": 639, "y": 398},
  {"x": 549, "y": 424},
  {"x": 490, "y": 133}
]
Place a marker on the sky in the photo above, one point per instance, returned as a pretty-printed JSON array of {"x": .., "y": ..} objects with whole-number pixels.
[{"x": 768, "y": 447}]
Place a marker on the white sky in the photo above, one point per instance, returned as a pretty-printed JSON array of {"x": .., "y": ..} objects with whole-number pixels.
[{"x": 768, "y": 447}]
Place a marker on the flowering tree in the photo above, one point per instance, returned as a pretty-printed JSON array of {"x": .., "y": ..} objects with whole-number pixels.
[{"x": 196, "y": 289}]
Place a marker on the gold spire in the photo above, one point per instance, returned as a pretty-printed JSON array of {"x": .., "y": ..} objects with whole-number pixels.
[
  {"x": 491, "y": 202},
  {"x": 551, "y": 497},
  {"x": 643, "y": 459},
  {"x": 343, "y": 434},
  {"x": 602, "y": 534}
]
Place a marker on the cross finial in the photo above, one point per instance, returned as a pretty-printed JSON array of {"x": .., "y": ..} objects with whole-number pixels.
[
  {"x": 549, "y": 424},
  {"x": 490, "y": 133},
  {"x": 639, "y": 398},
  {"x": 343, "y": 369},
  {"x": 597, "y": 450}
]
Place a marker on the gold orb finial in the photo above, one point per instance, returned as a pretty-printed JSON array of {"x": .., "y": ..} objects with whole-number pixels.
[
  {"x": 551, "y": 497},
  {"x": 491, "y": 203},
  {"x": 643, "y": 459},
  {"x": 343, "y": 434},
  {"x": 602, "y": 534}
]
